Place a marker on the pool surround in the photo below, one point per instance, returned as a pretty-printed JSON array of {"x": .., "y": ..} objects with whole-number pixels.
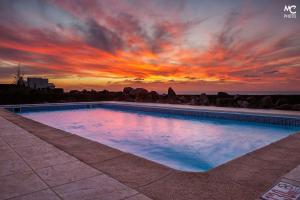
[{"x": 246, "y": 177}]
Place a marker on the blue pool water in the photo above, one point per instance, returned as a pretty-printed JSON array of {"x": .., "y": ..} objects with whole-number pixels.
[{"x": 180, "y": 142}]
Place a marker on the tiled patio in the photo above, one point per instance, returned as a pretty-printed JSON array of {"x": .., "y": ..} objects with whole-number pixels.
[
  {"x": 31, "y": 168},
  {"x": 41, "y": 162}
]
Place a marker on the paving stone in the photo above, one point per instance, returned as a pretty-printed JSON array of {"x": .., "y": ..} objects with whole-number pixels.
[
  {"x": 19, "y": 184},
  {"x": 250, "y": 161},
  {"x": 43, "y": 155},
  {"x": 98, "y": 187},
  {"x": 11, "y": 130},
  {"x": 229, "y": 191},
  {"x": 40, "y": 195},
  {"x": 132, "y": 170},
  {"x": 93, "y": 152},
  {"x": 36, "y": 127},
  {"x": 182, "y": 186},
  {"x": 294, "y": 174},
  {"x": 251, "y": 177},
  {"x": 116, "y": 195},
  {"x": 3, "y": 144},
  {"x": 40, "y": 148},
  {"x": 296, "y": 135},
  {"x": 138, "y": 197},
  {"x": 70, "y": 141},
  {"x": 65, "y": 173},
  {"x": 290, "y": 143},
  {"x": 13, "y": 165},
  {"x": 178, "y": 186},
  {"x": 21, "y": 140},
  {"x": 282, "y": 156},
  {"x": 50, "y": 133},
  {"x": 7, "y": 154},
  {"x": 48, "y": 159}
]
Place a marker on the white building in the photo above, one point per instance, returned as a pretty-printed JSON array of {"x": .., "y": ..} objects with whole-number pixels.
[{"x": 39, "y": 83}]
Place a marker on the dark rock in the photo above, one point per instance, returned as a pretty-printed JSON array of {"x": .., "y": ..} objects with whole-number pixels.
[
  {"x": 296, "y": 107},
  {"x": 284, "y": 107},
  {"x": 171, "y": 96},
  {"x": 222, "y": 95},
  {"x": 171, "y": 93},
  {"x": 251, "y": 99},
  {"x": 183, "y": 99},
  {"x": 281, "y": 101},
  {"x": 104, "y": 93},
  {"x": 243, "y": 103},
  {"x": 224, "y": 102},
  {"x": 266, "y": 102},
  {"x": 203, "y": 99},
  {"x": 139, "y": 94},
  {"x": 74, "y": 92},
  {"x": 138, "y": 91},
  {"x": 117, "y": 96},
  {"x": 152, "y": 96},
  {"x": 237, "y": 97},
  {"x": 127, "y": 90},
  {"x": 194, "y": 101}
]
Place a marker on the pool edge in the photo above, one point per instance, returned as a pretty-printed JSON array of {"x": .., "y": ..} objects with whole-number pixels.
[{"x": 278, "y": 117}]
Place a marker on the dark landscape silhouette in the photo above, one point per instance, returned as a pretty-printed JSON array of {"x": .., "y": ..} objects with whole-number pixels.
[{"x": 20, "y": 94}]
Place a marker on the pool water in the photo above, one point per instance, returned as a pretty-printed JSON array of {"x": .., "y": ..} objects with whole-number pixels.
[{"x": 180, "y": 142}]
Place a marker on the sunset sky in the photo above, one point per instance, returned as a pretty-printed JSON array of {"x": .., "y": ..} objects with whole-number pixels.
[{"x": 192, "y": 45}]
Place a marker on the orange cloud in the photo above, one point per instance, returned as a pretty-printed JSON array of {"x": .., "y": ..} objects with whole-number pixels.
[{"x": 109, "y": 51}]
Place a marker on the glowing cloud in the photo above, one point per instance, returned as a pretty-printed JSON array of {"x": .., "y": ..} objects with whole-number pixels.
[{"x": 151, "y": 44}]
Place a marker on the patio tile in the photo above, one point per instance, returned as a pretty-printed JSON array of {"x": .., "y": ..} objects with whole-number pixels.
[
  {"x": 178, "y": 186},
  {"x": 65, "y": 173},
  {"x": 70, "y": 141},
  {"x": 3, "y": 144},
  {"x": 182, "y": 186},
  {"x": 296, "y": 135},
  {"x": 19, "y": 184},
  {"x": 40, "y": 148},
  {"x": 11, "y": 166},
  {"x": 276, "y": 154},
  {"x": 48, "y": 159},
  {"x": 290, "y": 143},
  {"x": 252, "y": 177},
  {"x": 98, "y": 187},
  {"x": 133, "y": 170},
  {"x": 138, "y": 197},
  {"x": 7, "y": 154},
  {"x": 21, "y": 140},
  {"x": 49, "y": 133},
  {"x": 294, "y": 174},
  {"x": 43, "y": 154},
  {"x": 11, "y": 130},
  {"x": 93, "y": 152},
  {"x": 40, "y": 195}
]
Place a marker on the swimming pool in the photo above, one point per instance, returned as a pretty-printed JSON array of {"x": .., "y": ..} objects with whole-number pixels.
[{"x": 182, "y": 142}]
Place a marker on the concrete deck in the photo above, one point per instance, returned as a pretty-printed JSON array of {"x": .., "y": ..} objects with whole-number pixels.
[
  {"x": 31, "y": 168},
  {"x": 50, "y": 161}
]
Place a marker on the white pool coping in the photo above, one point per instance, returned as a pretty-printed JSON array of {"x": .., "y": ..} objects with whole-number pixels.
[{"x": 174, "y": 106}]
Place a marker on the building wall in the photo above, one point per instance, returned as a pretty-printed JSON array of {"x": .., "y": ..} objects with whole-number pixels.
[{"x": 37, "y": 83}]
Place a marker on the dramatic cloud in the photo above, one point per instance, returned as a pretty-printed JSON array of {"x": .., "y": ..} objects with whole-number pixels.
[{"x": 194, "y": 46}]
